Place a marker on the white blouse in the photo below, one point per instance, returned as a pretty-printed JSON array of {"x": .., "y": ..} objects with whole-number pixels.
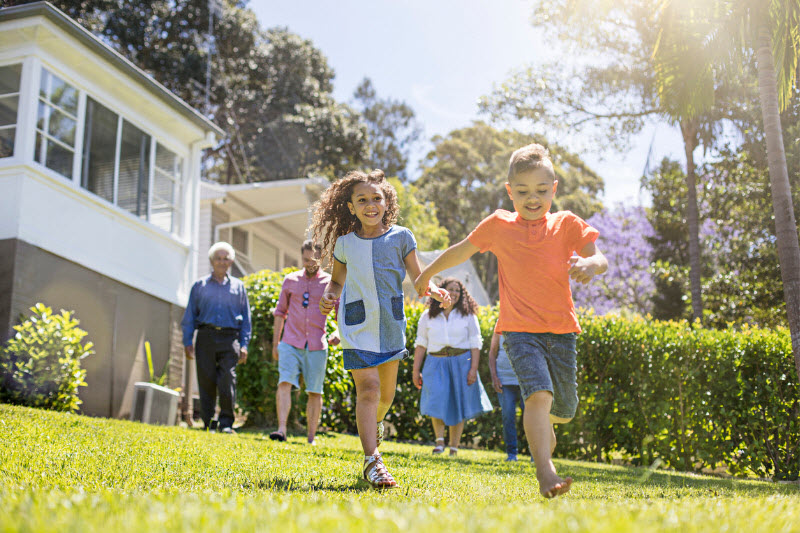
[{"x": 457, "y": 331}]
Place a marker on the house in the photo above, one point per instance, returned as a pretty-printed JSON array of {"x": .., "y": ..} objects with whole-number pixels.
[{"x": 99, "y": 198}]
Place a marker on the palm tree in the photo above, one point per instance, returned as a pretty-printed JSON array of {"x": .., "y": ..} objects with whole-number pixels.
[{"x": 700, "y": 38}]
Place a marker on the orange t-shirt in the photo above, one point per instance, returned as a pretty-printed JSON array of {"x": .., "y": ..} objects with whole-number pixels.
[{"x": 533, "y": 260}]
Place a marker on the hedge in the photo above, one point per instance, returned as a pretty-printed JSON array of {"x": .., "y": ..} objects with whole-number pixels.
[{"x": 688, "y": 397}]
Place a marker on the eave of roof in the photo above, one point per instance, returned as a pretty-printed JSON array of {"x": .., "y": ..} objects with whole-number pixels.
[{"x": 58, "y": 17}]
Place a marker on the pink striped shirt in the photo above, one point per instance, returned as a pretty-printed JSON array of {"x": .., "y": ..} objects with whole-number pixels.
[{"x": 303, "y": 324}]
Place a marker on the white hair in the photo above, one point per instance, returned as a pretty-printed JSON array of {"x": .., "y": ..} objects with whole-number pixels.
[{"x": 221, "y": 246}]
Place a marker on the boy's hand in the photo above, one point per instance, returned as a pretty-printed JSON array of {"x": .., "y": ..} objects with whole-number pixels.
[
  {"x": 581, "y": 269},
  {"x": 421, "y": 285},
  {"x": 326, "y": 303},
  {"x": 440, "y": 295}
]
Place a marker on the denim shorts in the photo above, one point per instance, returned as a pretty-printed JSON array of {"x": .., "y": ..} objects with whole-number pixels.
[
  {"x": 295, "y": 361},
  {"x": 546, "y": 362}
]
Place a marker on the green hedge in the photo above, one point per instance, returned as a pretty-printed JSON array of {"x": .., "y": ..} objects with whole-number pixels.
[{"x": 688, "y": 397}]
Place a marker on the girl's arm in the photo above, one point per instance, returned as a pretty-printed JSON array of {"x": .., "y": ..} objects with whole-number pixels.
[
  {"x": 419, "y": 358},
  {"x": 334, "y": 288},
  {"x": 472, "y": 375},
  {"x": 455, "y": 255},
  {"x": 590, "y": 263},
  {"x": 413, "y": 268}
]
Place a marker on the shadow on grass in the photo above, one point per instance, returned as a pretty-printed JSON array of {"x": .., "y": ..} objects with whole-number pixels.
[{"x": 286, "y": 484}]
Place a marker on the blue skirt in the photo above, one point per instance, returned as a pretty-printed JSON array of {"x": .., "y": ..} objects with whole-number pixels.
[{"x": 445, "y": 393}]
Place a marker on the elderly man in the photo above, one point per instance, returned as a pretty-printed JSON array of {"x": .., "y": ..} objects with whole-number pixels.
[
  {"x": 218, "y": 309},
  {"x": 303, "y": 349}
]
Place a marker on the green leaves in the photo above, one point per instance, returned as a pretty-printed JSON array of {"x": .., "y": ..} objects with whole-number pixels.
[{"x": 40, "y": 365}]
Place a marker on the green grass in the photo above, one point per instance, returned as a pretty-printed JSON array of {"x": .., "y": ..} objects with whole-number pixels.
[{"x": 70, "y": 473}]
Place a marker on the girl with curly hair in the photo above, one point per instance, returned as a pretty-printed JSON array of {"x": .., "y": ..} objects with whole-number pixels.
[
  {"x": 355, "y": 220},
  {"x": 452, "y": 391}
]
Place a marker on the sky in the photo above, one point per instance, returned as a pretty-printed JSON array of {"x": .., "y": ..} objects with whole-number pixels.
[{"x": 440, "y": 57}]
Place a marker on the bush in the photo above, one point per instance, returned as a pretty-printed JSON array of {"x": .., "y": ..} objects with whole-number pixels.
[
  {"x": 41, "y": 365},
  {"x": 692, "y": 398}
]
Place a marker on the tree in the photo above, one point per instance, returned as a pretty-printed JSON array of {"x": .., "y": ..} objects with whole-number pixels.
[
  {"x": 419, "y": 217},
  {"x": 718, "y": 35},
  {"x": 271, "y": 91},
  {"x": 629, "y": 286},
  {"x": 465, "y": 176},
  {"x": 392, "y": 130},
  {"x": 611, "y": 98}
]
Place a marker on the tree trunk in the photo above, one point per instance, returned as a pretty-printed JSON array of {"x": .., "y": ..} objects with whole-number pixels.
[
  {"x": 785, "y": 225},
  {"x": 689, "y": 132}
]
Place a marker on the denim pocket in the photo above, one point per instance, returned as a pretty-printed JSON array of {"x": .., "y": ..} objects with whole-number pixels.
[
  {"x": 397, "y": 308},
  {"x": 354, "y": 313}
]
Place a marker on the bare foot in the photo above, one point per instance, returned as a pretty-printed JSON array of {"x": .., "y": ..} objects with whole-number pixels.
[{"x": 552, "y": 485}]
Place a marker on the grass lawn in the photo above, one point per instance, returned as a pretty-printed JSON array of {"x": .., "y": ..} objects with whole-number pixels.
[{"x": 71, "y": 473}]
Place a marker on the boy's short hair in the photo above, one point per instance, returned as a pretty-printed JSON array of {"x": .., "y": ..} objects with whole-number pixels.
[
  {"x": 310, "y": 246},
  {"x": 530, "y": 157}
]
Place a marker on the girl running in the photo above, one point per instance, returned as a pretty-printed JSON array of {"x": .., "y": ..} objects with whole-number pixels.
[{"x": 356, "y": 218}]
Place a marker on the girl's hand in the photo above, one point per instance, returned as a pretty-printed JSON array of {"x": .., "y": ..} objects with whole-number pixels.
[
  {"x": 416, "y": 377},
  {"x": 441, "y": 295},
  {"x": 472, "y": 376},
  {"x": 326, "y": 303},
  {"x": 498, "y": 387}
]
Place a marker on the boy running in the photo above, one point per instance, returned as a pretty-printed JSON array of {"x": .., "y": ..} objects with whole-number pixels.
[{"x": 535, "y": 253}]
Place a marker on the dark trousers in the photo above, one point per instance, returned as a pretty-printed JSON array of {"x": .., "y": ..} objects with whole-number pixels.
[
  {"x": 509, "y": 399},
  {"x": 216, "y": 355}
]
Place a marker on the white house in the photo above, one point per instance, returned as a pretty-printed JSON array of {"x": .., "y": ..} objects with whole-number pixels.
[{"x": 99, "y": 198}]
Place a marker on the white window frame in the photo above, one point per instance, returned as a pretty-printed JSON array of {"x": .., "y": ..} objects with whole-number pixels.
[
  {"x": 46, "y": 137},
  {"x": 18, "y": 94}
]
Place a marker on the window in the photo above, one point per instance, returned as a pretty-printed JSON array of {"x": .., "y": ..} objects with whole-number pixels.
[
  {"x": 56, "y": 124},
  {"x": 165, "y": 209},
  {"x": 119, "y": 162},
  {"x": 9, "y": 102},
  {"x": 99, "y": 150},
  {"x": 134, "y": 170}
]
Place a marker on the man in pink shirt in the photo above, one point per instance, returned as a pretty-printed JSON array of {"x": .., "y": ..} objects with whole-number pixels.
[{"x": 303, "y": 349}]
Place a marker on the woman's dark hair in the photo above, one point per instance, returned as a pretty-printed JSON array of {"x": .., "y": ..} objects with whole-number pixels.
[{"x": 465, "y": 303}]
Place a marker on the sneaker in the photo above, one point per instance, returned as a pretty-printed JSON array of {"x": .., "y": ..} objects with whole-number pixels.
[
  {"x": 228, "y": 431},
  {"x": 380, "y": 432},
  {"x": 511, "y": 457},
  {"x": 375, "y": 473}
]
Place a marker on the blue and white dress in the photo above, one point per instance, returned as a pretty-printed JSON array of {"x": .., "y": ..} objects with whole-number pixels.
[{"x": 372, "y": 323}]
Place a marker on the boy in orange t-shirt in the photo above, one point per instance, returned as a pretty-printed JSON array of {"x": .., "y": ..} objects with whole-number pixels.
[{"x": 535, "y": 254}]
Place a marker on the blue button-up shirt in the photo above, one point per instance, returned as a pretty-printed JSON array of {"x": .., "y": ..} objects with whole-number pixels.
[{"x": 219, "y": 304}]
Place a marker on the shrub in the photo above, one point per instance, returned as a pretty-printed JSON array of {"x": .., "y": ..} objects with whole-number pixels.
[{"x": 41, "y": 365}]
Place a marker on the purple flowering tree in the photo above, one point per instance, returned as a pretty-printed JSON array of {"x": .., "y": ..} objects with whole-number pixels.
[{"x": 628, "y": 285}]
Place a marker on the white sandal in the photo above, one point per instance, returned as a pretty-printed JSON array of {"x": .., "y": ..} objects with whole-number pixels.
[
  {"x": 439, "y": 447},
  {"x": 453, "y": 451},
  {"x": 376, "y": 474}
]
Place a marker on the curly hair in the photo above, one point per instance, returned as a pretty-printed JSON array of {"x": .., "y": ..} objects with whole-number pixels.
[
  {"x": 466, "y": 304},
  {"x": 332, "y": 217}
]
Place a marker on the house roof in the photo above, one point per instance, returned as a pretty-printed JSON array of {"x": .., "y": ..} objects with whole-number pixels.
[
  {"x": 285, "y": 202},
  {"x": 59, "y": 18}
]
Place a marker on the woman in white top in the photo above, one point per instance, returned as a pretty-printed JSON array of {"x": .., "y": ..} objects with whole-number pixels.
[{"x": 452, "y": 391}]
